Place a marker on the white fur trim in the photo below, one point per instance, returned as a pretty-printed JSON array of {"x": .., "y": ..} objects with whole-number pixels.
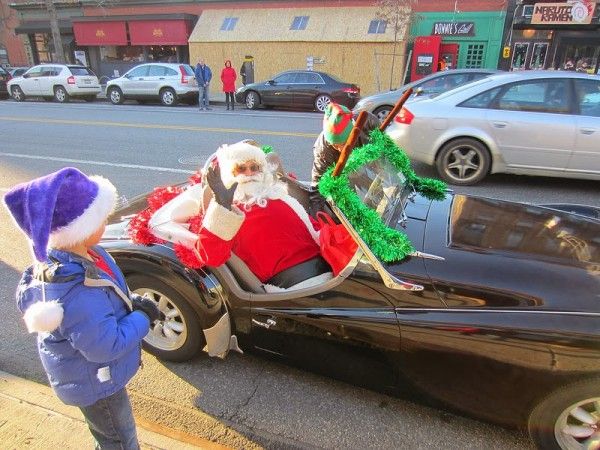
[
  {"x": 301, "y": 212},
  {"x": 91, "y": 219},
  {"x": 43, "y": 316},
  {"x": 170, "y": 221},
  {"x": 221, "y": 222},
  {"x": 311, "y": 282},
  {"x": 240, "y": 152}
]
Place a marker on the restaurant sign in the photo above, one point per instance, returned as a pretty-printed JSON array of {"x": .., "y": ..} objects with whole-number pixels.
[
  {"x": 568, "y": 13},
  {"x": 453, "y": 29}
]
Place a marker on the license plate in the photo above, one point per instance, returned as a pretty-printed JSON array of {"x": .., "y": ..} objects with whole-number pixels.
[{"x": 87, "y": 81}]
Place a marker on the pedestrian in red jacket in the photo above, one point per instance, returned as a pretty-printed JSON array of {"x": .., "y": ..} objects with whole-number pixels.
[{"x": 228, "y": 77}]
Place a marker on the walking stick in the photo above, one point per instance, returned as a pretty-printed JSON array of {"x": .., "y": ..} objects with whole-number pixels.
[
  {"x": 350, "y": 143},
  {"x": 396, "y": 109}
]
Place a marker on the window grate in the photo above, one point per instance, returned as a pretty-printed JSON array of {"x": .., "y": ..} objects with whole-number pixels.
[
  {"x": 299, "y": 23},
  {"x": 475, "y": 55},
  {"x": 229, "y": 23},
  {"x": 377, "y": 27}
]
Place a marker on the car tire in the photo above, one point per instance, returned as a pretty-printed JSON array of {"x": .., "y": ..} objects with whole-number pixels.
[
  {"x": 17, "y": 94},
  {"x": 567, "y": 417},
  {"x": 177, "y": 338},
  {"x": 321, "y": 102},
  {"x": 61, "y": 95},
  {"x": 252, "y": 100},
  {"x": 115, "y": 95},
  {"x": 382, "y": 112},
  {"x": 168, "y": 97},
  {"x": 463, "y": 162}
]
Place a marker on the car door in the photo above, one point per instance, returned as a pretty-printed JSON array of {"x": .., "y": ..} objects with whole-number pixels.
[
  {"x": 532, "y": 125},
  {"x": 154, "y": 80},
  {"x": 586, "y": 155},
  {"x": 134, "y": 82},
  {"x": 307, "y": 86},
  {"x": 280, "y": 90},
  {"x": 49, "y": 78},
  {"x": 30, "y": 84}
]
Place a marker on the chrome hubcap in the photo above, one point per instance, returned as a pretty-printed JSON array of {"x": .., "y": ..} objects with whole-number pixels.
[
  {"x": 60, "y": 95},
  {"x": 17, "y": 94},
  {"x": 171, "y": 333},
  {"x": 115, "y": 96},
  {"x": 578, "y": 427},
  {"x": 250, "y": 101},
  {"x": 463, "y": 163},
  {"x": 168, "y": 97},
  {"x": 322, "y": 103}
]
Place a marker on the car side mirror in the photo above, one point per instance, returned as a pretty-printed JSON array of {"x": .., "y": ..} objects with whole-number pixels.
[
  {"x": 419, "y": 91},
  {"x": 25, "y": 75},
  {"x": 271, "y": 82}
]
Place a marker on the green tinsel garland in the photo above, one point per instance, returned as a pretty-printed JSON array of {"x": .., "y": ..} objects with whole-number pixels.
[{"x": 387, "y": 244}]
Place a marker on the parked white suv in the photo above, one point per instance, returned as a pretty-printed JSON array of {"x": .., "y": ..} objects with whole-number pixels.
[
  {"x": 58, "y": 81},
  {"x": 169, "y": 83}
]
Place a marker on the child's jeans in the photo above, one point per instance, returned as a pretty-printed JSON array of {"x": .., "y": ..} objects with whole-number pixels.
[{"x": 111, "y": 422}]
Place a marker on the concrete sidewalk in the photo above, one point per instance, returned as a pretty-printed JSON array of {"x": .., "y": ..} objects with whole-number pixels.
[
  {"x": 32, "y": 416},
  {"x": 215, "y": 98}
]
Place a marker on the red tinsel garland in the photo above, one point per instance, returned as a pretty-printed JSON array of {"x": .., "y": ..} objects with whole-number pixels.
[{"x": 141, "y": 234}]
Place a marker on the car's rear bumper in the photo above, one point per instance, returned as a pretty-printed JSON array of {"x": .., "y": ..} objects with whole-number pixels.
[{"x": 75, "y": 91}]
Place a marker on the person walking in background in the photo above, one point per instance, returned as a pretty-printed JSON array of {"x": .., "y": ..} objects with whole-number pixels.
[
  {"x": 90, "y": 327},
  {"x": 228, "y": 77},
  {"x": 203, "y": 77}
]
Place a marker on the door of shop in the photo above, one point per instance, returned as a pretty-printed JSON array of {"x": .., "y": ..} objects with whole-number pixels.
[{"x": 472, "y": 55}]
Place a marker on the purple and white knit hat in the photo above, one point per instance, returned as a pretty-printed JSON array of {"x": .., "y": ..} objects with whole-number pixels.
[{"x": 60, "y": 209}]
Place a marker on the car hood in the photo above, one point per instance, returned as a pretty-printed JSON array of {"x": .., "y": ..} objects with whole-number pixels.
[{"x": 520, "y": 230}]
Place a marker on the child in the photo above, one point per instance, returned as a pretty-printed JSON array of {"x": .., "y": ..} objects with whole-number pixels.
[{"x": 89, "y": 325}]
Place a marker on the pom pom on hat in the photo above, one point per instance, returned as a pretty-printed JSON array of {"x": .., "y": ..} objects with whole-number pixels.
[
  {"x": 231, "y": 155},
  {"x": 43, "y": 317},
  {"x": 337, "y": 123},
  {"x": 62, "y": 208}
]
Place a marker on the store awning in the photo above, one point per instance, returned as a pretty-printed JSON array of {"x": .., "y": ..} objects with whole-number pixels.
[
  {"x": 159, "y": 32},
  {"x": 100, "y": 33}
]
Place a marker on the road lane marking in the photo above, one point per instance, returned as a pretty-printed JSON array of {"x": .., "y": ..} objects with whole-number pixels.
[
  {"x": 156, "y": 126},
  {"x": 98, "y": 163}
]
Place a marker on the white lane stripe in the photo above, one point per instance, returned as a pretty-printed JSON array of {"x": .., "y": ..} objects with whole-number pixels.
[{"x": 98, "y": 163}]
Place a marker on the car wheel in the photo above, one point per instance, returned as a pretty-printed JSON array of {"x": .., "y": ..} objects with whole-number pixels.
[
  {"x": 60, "y": 94},
  {"x": 178, "y": 337},
  {"x": 463, "y": 162},
  {"x": 569, "y": 418},
  {"x": 168, "y": 97},
  {"x": 17, "y": 94},
  {"x": 321, "y": 102},
  {"x": 252, "y": 100},
  {"x": 382, "y": 112},
  {"x": 115, "y": 96}
]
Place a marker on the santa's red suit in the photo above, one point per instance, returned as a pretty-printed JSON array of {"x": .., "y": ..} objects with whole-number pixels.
[{"x": 271, "y": 232}]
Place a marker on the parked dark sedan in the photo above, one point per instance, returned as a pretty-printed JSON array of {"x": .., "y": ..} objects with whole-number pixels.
[
  {"x": 299, "y": 88},
  {"x": 4, "y": 77},
  {"x": 496, "y": 313}
]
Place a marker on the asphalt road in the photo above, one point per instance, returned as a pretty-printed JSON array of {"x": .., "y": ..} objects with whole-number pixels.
[{"x": 243, "y": 401}]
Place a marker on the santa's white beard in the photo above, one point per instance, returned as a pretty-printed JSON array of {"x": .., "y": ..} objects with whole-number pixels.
[{"x": 257, "y": 189}]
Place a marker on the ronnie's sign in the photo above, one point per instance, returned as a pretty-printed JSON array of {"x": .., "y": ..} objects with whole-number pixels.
[
  {"x": 453, "y": 28},
  {"x": 574, "y": 12}
]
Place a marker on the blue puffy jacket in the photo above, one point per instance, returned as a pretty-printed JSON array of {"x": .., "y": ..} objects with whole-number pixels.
[{"x": 96, "y": 349}]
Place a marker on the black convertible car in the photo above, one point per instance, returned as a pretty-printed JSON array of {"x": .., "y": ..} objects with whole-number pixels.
[{"x": 496, "y": 313}]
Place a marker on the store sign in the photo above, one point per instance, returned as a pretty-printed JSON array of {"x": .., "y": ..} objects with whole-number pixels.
[
  {"x": 569, "y": 13},
  {"x": 453, "y": 29}
]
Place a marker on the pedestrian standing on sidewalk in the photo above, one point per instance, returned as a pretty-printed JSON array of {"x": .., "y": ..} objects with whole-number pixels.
[
  {"x": 228, "y": 77},
  {"x": 89, "y": 325},
  {"x": 203, "y": 77}
]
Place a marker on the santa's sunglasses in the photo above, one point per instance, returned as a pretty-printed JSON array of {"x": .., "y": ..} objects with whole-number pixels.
[{"x": 243, "y": 168}]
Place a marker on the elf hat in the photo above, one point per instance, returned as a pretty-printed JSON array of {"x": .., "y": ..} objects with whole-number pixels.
[
  {"x": 337, "y": 123},
  {"x": 229, "y": 156},
  {"x": 60, "y": 209}
]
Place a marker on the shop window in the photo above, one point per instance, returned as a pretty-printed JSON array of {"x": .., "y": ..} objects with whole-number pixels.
[
  {"x": 229, "y": 23},
  {"x": 475, "y": 55},
  {"x": 377, "y": 27},
  {"x": 122, "y": 53},
  {"x": 538, "y": 55},
  {"x": 588, "y": 97},
  {"x": 299, "y": 23},
  {"x": 581, "y": 58},
  {"x": 41, "y": 43},
  {"x": 519, "y": 55},
  {"x": 162, "y": 53}
]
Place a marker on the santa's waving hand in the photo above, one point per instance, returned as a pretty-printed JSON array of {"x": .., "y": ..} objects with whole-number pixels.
[{"x": 253, "y": 216}]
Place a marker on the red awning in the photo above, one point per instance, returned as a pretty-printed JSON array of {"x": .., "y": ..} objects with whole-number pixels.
[
  {"x": 159, "y": 32},
  {"x": 100, "y": 33}
]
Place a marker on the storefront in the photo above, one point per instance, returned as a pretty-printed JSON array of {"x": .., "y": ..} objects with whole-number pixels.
[
  {"x": 468, "y": 39},
  {"x": 39, "y": 45},
  {"x": 112, "y": 45},
  {"x": 556, "y": 35}
]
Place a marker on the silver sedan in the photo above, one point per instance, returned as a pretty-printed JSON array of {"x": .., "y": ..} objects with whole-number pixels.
[{"x": 543, "y": 123}]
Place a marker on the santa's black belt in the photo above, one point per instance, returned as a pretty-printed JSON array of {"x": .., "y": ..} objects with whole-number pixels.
[{"x": 300, "y": 272}]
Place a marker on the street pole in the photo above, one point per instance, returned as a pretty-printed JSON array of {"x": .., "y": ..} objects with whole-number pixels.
[{"x": 58, "y": 48}]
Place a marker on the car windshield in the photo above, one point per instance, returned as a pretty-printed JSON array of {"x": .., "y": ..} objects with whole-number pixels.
[
  {"x": 461, "y": 88},
  {"x": 381, "y": 188}
]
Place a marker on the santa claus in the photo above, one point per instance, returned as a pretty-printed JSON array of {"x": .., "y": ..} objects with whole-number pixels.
[{"x": 251, "y": 215}]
